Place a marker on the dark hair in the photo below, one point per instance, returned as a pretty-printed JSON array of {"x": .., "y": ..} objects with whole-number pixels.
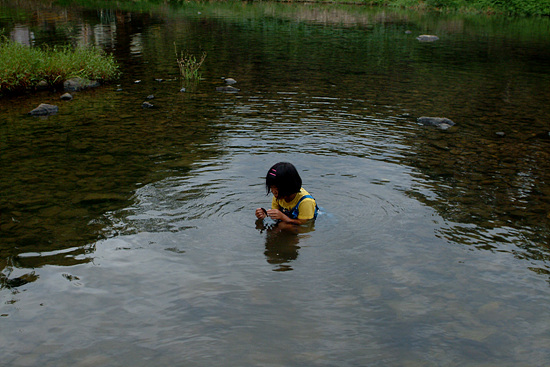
[{"x": 284, "y": 177}]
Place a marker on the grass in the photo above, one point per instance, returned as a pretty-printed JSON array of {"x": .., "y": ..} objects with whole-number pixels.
[
  {"x": 189, "y": 65},
  {"x": 22, "y": 68}
]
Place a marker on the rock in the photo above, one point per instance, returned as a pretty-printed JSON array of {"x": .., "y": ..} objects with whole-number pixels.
[
  {"x": 230, "y": 81},
  {"x": 182, "y": 89},
  {"x": 440, "y": 122},
  {"x": 159, "y": 80},
  {"x": 44, "y": 109},
  {"x": 427, "y": 38},
  {"x": 408, "y": 32},
  {"x": 147, "y": 105},
  {"x": 151, "y": 96},
  {"x": 500, "y": 134},
  {"x": 543, "y": 135},
  {"x": 227, "y": 88},
  {"x": 42, "y": 85},
  {"x": 66, "y": 97},
  {"x": 77, "y": 84},
  {"x": 96, "y": 198},
  {"x": 137, "y": 81}
]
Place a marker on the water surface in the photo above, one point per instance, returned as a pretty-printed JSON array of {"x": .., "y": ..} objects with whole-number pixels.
[{"x": 128, "y": 235}]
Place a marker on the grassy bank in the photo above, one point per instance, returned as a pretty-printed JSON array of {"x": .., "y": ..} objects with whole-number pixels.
[
  {"x": 22, "y": 68},
  {"x": 509, "y": 7},
  {"x": 512, "y": 7}
]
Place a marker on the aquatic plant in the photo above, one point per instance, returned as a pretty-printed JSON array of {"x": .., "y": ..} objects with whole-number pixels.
[
  {"x": 188, "y": 64},
  {"x": 22, "y": 68}
]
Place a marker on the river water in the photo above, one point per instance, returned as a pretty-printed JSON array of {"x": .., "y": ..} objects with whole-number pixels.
[{"x": 128, "y": 235}]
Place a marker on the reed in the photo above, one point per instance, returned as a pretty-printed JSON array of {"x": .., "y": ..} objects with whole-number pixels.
[
  {"x": 188, "y": 64},
  {"x": 22, "y": 68}
]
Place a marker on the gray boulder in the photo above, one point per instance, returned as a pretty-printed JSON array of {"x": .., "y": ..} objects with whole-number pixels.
[
  {"x": 66, "y": 97},
  {"x": 44, "y": 109},
  {"x": 440, "y": 122},
  {"x": 427, "y": 38},
  {"x": 78, "y": 84}
]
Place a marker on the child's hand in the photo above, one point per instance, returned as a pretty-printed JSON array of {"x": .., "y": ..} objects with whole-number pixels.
[
  {"x": 276, "y": 214},
  {"x": 261, "y": 213}
]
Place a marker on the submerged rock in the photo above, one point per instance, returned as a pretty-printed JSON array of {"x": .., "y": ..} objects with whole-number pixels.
[
  {"x": 230, "y": 81},
  {"x": 427, "y": 38},
  {"x": 44, "y": 109},
  {"x": 78, "y": 84},
  {"x": 440, "y": 122},
  {"x": 66, "y": 97},
  {"x": 147, "y": 105},
  {"x": 151, "y": 96},
  {"x": 227, "y": 88}
]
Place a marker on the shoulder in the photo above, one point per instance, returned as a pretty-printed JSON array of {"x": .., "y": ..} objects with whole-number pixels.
[{"x": 305, "y": 197}]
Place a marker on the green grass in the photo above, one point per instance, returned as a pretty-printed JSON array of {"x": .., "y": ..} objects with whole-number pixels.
[
  {"x": 23, "y": 67},
  {"x": 188, "y": 64}
]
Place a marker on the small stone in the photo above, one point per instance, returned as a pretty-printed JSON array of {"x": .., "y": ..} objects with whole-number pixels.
[
  {"x": 66, "y": 97},
  {"x": 427, "y": 38},
  {"x": 147, "y": 105},
  {"x": 440, "y": 122},
  {"x": 44, "y": 109},
  {"x": 151, "y": 96},
  {"x": 408, "y": 32},
  {"x": 159, "y": 80},
  {"x": 227, "y": 88},
  {"x": 230, "y": 81},
  {"x": 182, "y": 89},
  {"x": 137, "y": 81},
  {"x": 42, "y": 85},
  {"x": 500, "y": 134}
]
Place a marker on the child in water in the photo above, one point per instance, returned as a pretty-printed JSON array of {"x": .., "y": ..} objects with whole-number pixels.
[{"x": 291, "y": 204}]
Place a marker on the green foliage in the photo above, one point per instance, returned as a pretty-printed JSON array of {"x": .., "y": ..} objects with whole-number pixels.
[
  {"x": 23, "y": 67},
  {"x": 188, "y": 64},
  {"x": 520, "y": 7}
]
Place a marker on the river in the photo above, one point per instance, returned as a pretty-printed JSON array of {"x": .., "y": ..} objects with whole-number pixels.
[{"x": 128, "y": 236}]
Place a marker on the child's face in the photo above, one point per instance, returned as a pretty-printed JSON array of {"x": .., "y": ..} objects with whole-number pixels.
[{"x": 274, "y": 191}]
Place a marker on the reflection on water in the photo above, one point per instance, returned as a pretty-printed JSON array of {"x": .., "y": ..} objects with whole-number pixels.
[
  {"x": 132, "y": 230},
  {"x": 282, "y": 242}
]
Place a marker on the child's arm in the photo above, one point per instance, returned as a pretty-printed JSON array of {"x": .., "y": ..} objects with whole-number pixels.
[{"x": 276, "y": 214}]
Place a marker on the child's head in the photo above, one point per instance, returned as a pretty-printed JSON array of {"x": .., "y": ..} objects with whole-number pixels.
[{"x": 285, "y": 178}]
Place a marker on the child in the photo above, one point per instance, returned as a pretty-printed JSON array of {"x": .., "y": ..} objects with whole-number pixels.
[{"x": 291, "y": 204}]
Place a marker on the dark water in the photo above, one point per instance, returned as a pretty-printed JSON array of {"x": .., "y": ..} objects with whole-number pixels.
[{"x": 128, "y": 235}]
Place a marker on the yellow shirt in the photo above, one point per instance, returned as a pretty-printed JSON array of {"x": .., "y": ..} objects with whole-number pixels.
[{"x": 306, "y": 210}]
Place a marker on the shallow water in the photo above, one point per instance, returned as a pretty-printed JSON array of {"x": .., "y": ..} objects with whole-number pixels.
[{"x": 128, "y": 235}]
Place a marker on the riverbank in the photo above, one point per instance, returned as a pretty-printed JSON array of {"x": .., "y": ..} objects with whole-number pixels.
[
  {"x": 24, "y": 69},
  {"x": 509, "y": 7}
]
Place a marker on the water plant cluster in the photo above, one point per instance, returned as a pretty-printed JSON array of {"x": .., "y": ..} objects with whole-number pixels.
[
  {"x": 24, "y": 68},
  {"x": 188, "y": 64}
]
